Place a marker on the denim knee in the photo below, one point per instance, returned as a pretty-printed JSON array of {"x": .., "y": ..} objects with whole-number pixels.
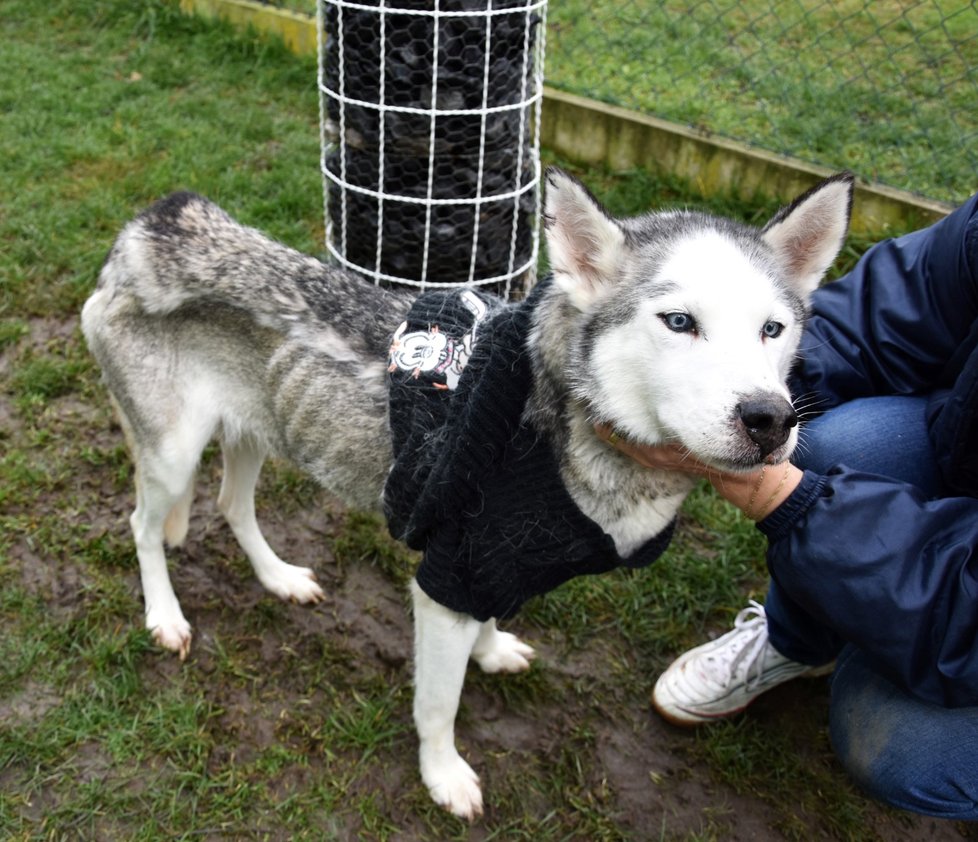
[
  {"x": 904, "y": 752},
  {"x": 880, "y": 435}
]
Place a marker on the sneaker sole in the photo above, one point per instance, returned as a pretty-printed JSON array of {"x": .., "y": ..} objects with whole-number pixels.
[
  {"x": 691, "y": 720},
  {"x": 687, "y": 719}
]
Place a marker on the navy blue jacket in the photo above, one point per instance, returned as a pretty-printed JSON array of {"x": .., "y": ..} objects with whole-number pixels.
[{"x": 888, "y": 570}]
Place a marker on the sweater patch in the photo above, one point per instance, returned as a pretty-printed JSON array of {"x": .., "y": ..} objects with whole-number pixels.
[
  {"x": 472, "y": 484},
  {"x": 434, "y": 352}
]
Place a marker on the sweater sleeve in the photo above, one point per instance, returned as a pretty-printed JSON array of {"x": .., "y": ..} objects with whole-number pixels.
[
  {"x": 895, "y": 323},
  {"x": 888, "y": 570}
]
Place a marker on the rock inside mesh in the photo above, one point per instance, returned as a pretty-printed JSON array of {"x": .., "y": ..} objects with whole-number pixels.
[{"x": 484, "y": 65}]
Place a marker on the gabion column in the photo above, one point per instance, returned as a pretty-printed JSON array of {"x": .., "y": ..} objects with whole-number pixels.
[{"x": 430, "y": 139}]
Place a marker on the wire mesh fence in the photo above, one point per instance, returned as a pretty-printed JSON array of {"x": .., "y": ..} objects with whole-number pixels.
[
  {"x": 430, "y": 138},
  {"x": 887, "y": 88}
]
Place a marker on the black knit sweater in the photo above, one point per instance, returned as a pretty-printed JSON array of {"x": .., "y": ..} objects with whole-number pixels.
[{"x": 474, "y": 485}]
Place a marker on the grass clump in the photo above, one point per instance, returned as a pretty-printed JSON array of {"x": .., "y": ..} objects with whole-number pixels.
[
  {"x": 363, "y": 537},
  {"x": 11, "y": 332},
  {"x": 45, "y": 378}
]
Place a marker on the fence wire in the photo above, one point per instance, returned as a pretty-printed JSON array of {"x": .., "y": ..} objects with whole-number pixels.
[
  {"x": 887, "y": 88},
  {"x": 430, "y": 137}
]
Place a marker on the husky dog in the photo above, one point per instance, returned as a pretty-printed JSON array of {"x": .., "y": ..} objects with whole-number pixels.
[{"x": 670, "y": 327}]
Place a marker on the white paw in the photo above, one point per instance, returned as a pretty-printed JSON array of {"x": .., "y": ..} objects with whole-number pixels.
[
  {"x": 173, "y": 633},
  {"x": 294, "y": 584},
  {"x": 453, "y": 784},
  {"x": 503, "y": 652}
]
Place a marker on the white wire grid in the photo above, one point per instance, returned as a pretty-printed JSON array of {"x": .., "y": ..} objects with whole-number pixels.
[{"x": 521, "y": 264}]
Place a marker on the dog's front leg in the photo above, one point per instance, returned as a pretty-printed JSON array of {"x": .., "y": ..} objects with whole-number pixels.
[
  {"x": 443, "y": 642},
  {"x": 499, "y": 651}
]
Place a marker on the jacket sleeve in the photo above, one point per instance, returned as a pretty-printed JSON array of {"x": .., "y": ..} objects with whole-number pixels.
[
  {"x": 892, "y": 325},
  {"x": 890, "y": 571}
]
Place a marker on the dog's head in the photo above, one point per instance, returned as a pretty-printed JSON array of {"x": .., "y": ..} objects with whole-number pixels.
[{"x": 685, "y": 325}]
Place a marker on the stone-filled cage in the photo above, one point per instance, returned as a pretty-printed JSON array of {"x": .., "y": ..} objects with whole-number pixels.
[{"x": 430, "y": 113}]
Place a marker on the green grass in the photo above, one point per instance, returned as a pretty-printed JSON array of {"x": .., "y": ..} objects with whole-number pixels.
[
  {"x": 101, "y": 117},
  {"x": 879, "y": 88},
  {"x": 290, "y": 722}
]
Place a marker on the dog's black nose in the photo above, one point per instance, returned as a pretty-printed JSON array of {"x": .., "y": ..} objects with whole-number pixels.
[{"x": 768, "y": 420}]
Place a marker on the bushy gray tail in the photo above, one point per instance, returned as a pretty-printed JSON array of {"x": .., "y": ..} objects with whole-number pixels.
[{"x": 186, "y": 249}]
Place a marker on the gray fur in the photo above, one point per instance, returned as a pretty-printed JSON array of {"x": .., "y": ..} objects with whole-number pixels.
[{"x": 300, "y": 345}]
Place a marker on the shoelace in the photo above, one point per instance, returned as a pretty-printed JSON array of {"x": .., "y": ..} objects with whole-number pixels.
[{"x": 751, "y": 619}]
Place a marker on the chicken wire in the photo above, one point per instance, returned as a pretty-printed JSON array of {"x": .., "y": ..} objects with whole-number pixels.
[
  {"x": 430, "y": 139},
  {"x": 885, "y": 89}
]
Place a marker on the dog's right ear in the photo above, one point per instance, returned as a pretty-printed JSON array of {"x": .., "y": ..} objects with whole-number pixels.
[
  {"x": 583, "y": 242},
  {"x": 808, "y": 234}
]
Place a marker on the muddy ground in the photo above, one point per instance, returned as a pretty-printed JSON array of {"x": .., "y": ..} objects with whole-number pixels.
[{"x": 637, "y": 768}]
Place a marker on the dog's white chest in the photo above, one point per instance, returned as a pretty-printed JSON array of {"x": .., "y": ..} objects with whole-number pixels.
[
  {"x": 630, "y": 503},
  {"x": 643, "y": 520}
]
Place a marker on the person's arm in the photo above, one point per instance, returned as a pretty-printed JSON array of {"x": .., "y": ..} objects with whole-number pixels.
[
  {"x": 894, "y": 324},
  {"x": 870, "y": 558},
  {"x": 889, "y": 571}
]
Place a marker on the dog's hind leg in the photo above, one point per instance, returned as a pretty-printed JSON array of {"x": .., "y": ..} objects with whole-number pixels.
[
  {"x": 177, "y": 522},
  {"x": 164, "y": 474},
  {"x": 499, "y": 651},
  {"x": 242, "y": 464},
  {"x": 443, "y": 642}
]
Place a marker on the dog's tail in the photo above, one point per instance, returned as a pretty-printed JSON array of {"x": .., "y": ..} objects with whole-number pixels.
[{"x": 185, "y": 249}]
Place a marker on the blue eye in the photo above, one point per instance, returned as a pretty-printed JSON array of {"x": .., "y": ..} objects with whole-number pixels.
[
  {"x": 679, "y": 322},
  {"x": 772, "y": 330}
]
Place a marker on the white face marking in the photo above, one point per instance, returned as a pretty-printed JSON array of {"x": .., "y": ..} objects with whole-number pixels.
[{"x": 684, "y": 385}]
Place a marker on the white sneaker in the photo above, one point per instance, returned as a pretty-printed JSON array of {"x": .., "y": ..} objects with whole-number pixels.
[{"x": 722, "y": 677}]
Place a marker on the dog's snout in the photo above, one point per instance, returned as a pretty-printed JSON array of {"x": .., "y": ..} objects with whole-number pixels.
[{"x": 768, "y": 420}]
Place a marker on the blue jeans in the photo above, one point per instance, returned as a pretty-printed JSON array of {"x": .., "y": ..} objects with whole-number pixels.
[{"x": 908, "y": 753}]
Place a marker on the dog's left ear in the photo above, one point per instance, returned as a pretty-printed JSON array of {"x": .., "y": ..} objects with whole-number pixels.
[
  {"x": 584, "y": 243},
  {"x": 808, "y": 234}
]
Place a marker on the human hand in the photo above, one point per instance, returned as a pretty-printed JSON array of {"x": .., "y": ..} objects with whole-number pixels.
[
  {"x": 755, "y": 493},
  {"x": 663, "y": 457}
]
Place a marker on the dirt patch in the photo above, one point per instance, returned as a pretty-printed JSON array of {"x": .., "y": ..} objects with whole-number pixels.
[{"x": 29, "y": 704}]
